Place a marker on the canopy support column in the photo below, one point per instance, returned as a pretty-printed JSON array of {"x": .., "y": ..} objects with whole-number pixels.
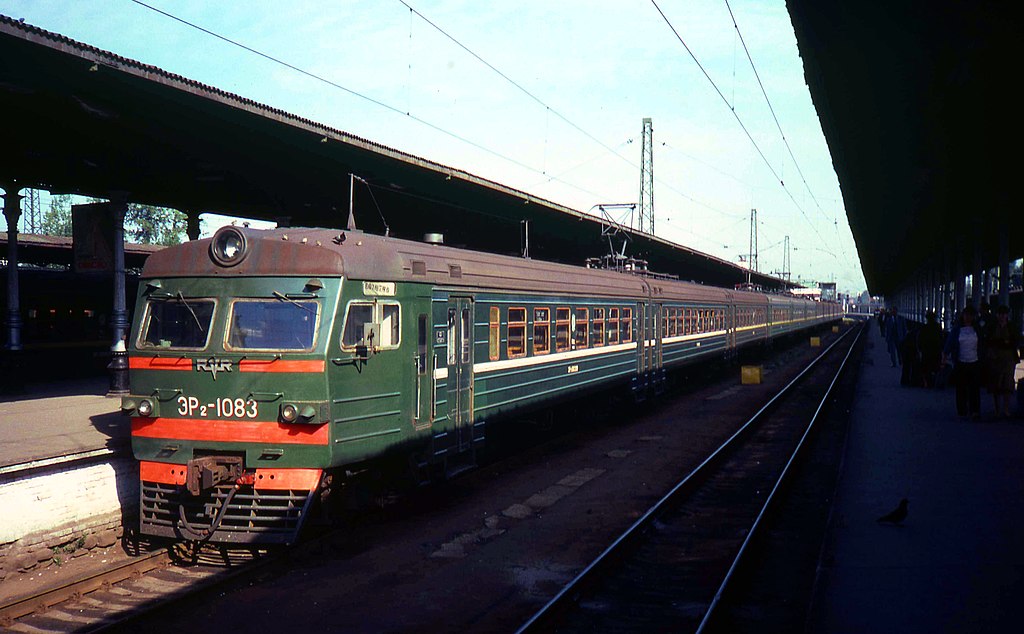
[
  {"x": 12, "y": 350},
  {"x": 119, "y": 318}
]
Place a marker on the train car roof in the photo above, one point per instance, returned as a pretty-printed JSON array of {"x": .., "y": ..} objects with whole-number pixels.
[{"x": 313, "y": 252}]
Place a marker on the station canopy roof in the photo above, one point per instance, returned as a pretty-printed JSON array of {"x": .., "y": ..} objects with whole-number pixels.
[
  {"x": 82, "y": 120},
  {"x": 916, "y": 102}
]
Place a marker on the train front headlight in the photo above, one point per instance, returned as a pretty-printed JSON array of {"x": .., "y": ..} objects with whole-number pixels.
[
  {"x": 145, "y": 407},
  {"x": 302, "y": 412},
  {"x": 289, "y": 413},
  {"x": 229, "y": 246}
]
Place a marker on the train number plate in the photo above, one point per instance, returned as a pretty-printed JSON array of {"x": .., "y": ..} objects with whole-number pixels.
[{"x": 225, "y": 407}]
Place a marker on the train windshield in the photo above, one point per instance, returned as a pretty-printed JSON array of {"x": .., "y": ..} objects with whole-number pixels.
[
  {"x": 177, "y": 323},
  {"x": 276, "y": 324}
]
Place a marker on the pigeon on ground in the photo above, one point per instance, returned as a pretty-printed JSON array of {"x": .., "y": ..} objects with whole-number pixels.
[{"x": 897, "y": 516}]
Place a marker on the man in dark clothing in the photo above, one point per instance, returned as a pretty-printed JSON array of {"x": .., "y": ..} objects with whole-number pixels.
[
  {"x": 895, "y": 333},
  {"x": 909, "y": 355}
]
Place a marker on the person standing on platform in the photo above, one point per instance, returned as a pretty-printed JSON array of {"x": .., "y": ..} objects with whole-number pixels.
[
  {"x": 964, "y": 350},
  {"x": 895, "y": 333},
  {"x": 984, "y": 319},
  {"x": 929, "y": 344},
  {"x": 1001, "y": 346}
]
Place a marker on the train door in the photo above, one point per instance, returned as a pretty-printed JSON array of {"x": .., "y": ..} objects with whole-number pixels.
[
  {"x": 649, "y": 328},
  {"x": 425, "y": 362},
  {"x": 460, "y": 371},
  {"x": 640, "y": 334},
  {"x": 657, "y": 334},
  {"x": 730, "y": 325}
]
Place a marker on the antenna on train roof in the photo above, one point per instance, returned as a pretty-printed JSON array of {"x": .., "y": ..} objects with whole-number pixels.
[
  {"x": 351, "y": 226},
  {"x": 351, "y": 206}
]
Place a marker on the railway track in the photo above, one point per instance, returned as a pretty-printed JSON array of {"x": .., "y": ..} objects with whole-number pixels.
[
  {"x": 671, "y": 569},
  {"x": 120, "y": 592}
]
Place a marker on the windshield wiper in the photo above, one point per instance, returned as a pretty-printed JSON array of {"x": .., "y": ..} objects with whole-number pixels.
[
  {"x": 281, "y": 296},
  {"x": 189, "y": 307}
]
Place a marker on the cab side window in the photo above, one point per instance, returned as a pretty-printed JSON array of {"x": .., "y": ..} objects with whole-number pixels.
[
  {"x": 388, "y": 315},
  {"x": 359, "y": 314}
]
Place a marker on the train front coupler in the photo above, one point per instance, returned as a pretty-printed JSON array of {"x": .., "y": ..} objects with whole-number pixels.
[{"x": 203, "y": 474}]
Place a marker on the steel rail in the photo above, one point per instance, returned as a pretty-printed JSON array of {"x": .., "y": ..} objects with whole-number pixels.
[
  {"x": 573, "y": 589},
  {"x": 24, "y": 606},
  {"x": 709, "y": 613}
]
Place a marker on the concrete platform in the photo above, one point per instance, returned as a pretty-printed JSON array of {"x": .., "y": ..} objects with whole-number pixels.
[
  {"x": 65, "y": 471},
  {"x": 957, "y": 562},
  {"x": 61, "y": 418}
]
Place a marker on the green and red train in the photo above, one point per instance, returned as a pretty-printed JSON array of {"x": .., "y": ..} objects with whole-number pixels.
[{"x": 266, "y": 366}]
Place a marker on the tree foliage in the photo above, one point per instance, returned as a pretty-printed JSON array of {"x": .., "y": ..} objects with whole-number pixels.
[
  {"x": 143, "y": 224},
  {"x": 57, "y": 219},
  {"x": 146, "y": 224}
]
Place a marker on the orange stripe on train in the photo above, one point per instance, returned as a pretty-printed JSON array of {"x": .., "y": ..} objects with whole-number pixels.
[
  {"x": 282, "y": 365},
  {"x": 174, "y": 474},
  {"x": 159, "y": 363},
  {"x": 245, "y": 365},
  {"x": 229, "y": 431},
  {"x": 162, "y": 472}
]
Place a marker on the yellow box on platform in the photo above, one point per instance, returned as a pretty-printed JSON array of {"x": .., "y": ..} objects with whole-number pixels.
[
  {"x": 750, "y": 375},
  {"x": 815, "y": 342},
  {"x": 835, "y": 328}
]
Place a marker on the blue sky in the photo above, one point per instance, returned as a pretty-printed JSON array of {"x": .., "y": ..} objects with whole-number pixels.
[{"x": 592, "y": 70}]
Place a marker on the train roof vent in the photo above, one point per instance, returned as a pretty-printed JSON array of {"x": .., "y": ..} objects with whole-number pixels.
[
  {"x": 419, "y": 267},
  {"x": 455, "y": 270},
  {"x": 433, "y": 238}
]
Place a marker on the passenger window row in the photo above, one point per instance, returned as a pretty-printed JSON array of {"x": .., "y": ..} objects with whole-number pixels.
[
  {"x": 574, "y": 329},
  {"x": 692, "y": 321},
  {"x": 746, "y": 317}
]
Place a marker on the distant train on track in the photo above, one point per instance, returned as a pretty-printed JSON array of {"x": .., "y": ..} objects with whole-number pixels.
[{"x": 267, "y": 366}]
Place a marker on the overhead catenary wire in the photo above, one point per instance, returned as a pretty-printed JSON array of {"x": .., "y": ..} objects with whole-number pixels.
[
  {"x": 519, "y": 86},
  {"x": 354, "y": 93},
  {"x": 764, "y": 92},
  {"x": 736, "y": 115},
  {"x": 549, "y": 111}
]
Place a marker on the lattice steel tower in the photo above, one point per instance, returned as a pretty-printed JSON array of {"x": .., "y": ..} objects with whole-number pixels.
[
  {"x": 647, "y": 179},
  {"x": 33, "y": 216},
  {"x": 752, "y": 256},
  {"x": 786, "y": 265}
]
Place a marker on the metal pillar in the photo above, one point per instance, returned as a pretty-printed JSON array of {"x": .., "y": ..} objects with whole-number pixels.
[
  {"x": 752, "y": 253},
  {"x": 942, "y": 297},
  {"x": 12, "y": 375},
  {"x": 647, "y": 178},
  {"x": 192, "y": 224},
  {"x": 924, "y": 275},
  {"x": 933, "y": 290},
  {"x": 119, "y": 318},
  {"x": 959, "y": 283},
  {"x": 976, "y": 278},
  {"x": 1004, "y": 265}
]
